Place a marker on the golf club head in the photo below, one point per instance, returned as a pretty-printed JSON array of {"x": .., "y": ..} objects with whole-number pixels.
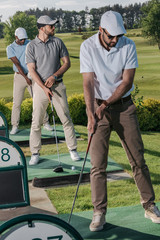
[{"x": 58, "y": 169}]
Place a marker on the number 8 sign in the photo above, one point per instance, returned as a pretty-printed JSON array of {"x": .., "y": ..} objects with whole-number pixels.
[{"x": 9, "y": 155}]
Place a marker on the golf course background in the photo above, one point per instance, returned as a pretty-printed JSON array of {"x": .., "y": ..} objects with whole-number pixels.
[
  {"x": 147, "y": 75},
  {"x": 147, "y": 83},
  {"x": 147, "y": 78}
]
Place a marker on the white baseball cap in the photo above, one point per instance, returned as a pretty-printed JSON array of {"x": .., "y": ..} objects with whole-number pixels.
[
  {"x": 21, "y": 33},
  {"x": 113, "y": 23},
  {"x": 46, "y": 20}
]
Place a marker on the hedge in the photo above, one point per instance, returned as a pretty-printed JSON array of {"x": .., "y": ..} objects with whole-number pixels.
[{"x": 148, "y": 112}]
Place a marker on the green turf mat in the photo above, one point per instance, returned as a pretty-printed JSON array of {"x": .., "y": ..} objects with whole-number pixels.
[
  {"x": 123, "y": 223},
  {"x": 23, "y": 134},
  {"x": 44, "y": 168}
]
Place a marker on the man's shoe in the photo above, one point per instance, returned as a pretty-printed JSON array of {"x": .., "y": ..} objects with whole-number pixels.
[
  {"x": 153, "y": 213},
  {"x": 14, "y": 130},
  {"x": 48, "y": 127},
  {"x": 74, "y": 155},
  {"x": 34, "y": 159},
  {"x": 98, "y": 222}
]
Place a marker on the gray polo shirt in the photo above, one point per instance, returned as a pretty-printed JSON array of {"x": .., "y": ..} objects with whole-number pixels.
[{"x": 46, "y": 56}]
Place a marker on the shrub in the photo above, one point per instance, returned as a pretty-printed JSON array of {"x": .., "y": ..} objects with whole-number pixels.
[
  {"x": 148, "y": 112},
  {"x": 149, "y": 115},
  {"x": 5, "y": 110},
  {"x": 77, "y": 109},
  {"x": 26, "y": 111},
  {"x": 9, "y": 106},
  {"x": 49, "y": 111}
]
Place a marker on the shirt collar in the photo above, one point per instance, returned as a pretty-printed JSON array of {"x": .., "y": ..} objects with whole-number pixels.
[{"x": 40, "y": 41}]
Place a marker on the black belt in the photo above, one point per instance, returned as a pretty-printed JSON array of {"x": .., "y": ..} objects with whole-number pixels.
[
  {"x": 119, "y": 102},
  {"x": 58, "y": 81}
]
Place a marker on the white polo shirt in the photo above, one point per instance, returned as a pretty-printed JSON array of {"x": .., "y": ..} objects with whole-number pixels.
[{"x": 107, "y": 66}]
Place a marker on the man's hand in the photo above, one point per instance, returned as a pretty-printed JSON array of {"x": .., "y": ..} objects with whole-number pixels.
[
  {"x": 92, "y": 124},
  {"x": 49, "y": 82},
  {"x": 48, "y": 92},
  {"x": 29, "y": 81},
  {"x": 100, "y": 111}
]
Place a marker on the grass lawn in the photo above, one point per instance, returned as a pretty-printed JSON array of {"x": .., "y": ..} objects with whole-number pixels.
[{"x": 147, "y": 75}]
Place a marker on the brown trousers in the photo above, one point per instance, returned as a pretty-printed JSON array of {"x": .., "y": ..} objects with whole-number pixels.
[{"x": 122, "y": 118}]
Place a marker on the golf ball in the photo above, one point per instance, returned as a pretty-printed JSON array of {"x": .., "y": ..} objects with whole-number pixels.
[{"x": 73, "y": 167}]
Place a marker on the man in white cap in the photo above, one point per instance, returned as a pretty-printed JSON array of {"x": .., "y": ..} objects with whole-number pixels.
[
  {"x": 108, "y": 61},
  {"x": 43, "y": 56},
  {"x": 16, "y": 52}
]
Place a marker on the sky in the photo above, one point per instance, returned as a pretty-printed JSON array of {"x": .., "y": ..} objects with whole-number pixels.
[{"x": 9, "y": 7}]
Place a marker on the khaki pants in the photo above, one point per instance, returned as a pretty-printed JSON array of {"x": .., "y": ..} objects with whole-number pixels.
[
  {"x": 19, "y": 87},
  {"x": 121, "y": 118},
  {"x": 40, "y": 104}
]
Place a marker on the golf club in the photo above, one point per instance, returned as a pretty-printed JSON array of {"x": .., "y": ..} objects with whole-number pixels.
[
  {"x": 58, "y": 168},
  {"x": 80, "y": 176},
  {"x": 31, "y": 91}
]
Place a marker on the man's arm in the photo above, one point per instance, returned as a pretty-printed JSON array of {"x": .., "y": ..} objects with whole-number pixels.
[
  {"x": 18, "y": 65},
  {"x": 88, "y": 87},
  {"x": 65, "y": 66},
  {"x": 37, "y": 79},
  {"x": 124, "y": 87}
]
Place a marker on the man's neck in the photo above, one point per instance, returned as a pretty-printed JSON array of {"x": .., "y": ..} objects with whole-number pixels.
[{"x": 43, "y": 37}]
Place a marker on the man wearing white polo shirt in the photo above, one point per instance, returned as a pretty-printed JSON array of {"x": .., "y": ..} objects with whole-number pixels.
[
  {"x": 108, "y": 61},
  {"x": 16, "y": 52},
  {"x": 43, "y": 56}
]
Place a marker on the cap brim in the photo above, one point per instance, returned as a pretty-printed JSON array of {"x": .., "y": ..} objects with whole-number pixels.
[{"x": 53, "y": 22}]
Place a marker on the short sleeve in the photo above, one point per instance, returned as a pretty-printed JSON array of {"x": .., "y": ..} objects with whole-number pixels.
[
  {"x": 63, "y": 50},
  {"x": 10, "y": 52},
  {"x": 29, "y": 54},
  {"x": 85, "y": 59},
  {"x": 131, "y": 61}
]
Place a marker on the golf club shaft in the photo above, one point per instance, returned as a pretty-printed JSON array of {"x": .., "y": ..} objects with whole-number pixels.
[
  {"x": 80, "y": 176},
  {"x": 55, "y": 131},
  {"x": 31, "y": 91}
]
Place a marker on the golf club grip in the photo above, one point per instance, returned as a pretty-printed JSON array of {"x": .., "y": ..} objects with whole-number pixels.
[{"x": 80, "y": 176}]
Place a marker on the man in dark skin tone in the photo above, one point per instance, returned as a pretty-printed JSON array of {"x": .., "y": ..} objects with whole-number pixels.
[{"x": 16, "y": 53}]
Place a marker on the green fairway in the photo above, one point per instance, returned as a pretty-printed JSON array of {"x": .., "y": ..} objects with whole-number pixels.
[{"x": 147, "y": 75}]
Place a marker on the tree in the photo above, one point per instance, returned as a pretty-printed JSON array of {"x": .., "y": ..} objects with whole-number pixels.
[
  {"x": 1, "y": 27},
  {"x": 151, "y": 21},
  {"x": 20, "y": 19}
]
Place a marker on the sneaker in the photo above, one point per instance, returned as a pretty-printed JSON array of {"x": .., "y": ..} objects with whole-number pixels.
[
  {"x": 14, "y": 130},
  {"x": 48, "y": 127},
  {"x": 98, "y": 222},
  {"x": 74, "y": 155},
  {"x": 153, "y": 213},
  {"x": 34, "y": 159}
]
